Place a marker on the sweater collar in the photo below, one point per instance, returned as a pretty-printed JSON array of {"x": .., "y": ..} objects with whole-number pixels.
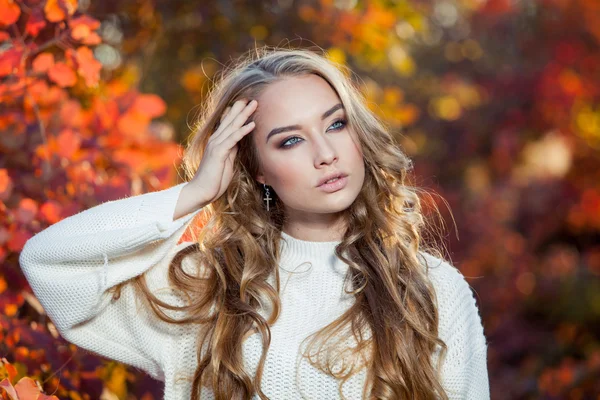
[{"x": 295, "y": 251}]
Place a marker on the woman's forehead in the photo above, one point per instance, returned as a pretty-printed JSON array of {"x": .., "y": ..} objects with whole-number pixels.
[{"x": 291, "y": 100}]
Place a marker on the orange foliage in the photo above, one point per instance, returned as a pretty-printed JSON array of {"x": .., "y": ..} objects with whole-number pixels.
[
  {"x": 87, "y": 66},
  {"x": 58, "y": 10},
  {"x": 62, "y": 74},
  {"x": 66, "y": 147},
  {"x": 43, "y": 62},
  {"x": 9, "y": 12}
]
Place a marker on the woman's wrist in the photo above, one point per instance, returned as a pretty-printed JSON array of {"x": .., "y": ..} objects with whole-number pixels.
[{"x": 189, "y": 201}]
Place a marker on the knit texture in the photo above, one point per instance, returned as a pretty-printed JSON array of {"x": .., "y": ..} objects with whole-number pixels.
[{"x": 71, "y": 264}]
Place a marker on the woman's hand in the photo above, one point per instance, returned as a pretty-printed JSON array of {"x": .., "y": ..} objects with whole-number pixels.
[{"x": 216, "y": 168}]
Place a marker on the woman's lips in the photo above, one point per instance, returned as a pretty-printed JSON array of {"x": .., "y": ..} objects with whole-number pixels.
[{"x": 334, "y": 186}]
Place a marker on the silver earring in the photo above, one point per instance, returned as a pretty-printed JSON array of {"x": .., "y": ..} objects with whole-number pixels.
[{"x": 267, "y": 198}]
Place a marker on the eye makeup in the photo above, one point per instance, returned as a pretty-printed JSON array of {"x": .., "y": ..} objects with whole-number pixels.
[{"x": 284, "y": 145}]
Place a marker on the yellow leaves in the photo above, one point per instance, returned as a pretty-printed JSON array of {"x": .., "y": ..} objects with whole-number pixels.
[
  {"x": 458, "y": 51},
  {"x": 115, "y": 379},
  {"x": 58, "y": 10},
  {"x": 445, "y": 107},
  {"x": 390, "y": 104},
  {"x": 457, "y": 96},
  {"x": 336, "y": 55},
  {"x": 401, "y": 61},
  {"x": 586, "y": 123},
  {"x": 259, "y": 32}
]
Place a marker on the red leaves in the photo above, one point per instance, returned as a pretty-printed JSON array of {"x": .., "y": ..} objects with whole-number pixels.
[
  {"x": 9, "y": 12},
  {"x": 35, "y": 23},
  {"x": 10, "y": 61}
]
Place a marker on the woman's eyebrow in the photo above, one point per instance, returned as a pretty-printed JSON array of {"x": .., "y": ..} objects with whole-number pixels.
[{"x": 326, "y": 114}]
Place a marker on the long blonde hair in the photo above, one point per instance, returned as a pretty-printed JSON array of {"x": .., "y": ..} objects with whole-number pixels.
[{"x": 394, "y": 319}]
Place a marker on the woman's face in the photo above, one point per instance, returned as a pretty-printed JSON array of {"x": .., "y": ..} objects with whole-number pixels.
[{"x": 314, "y": 143}]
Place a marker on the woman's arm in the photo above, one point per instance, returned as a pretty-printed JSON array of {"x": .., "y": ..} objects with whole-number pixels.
[
  {"x": 464, "y": 370},
  {"x": 71, "y": 264}
]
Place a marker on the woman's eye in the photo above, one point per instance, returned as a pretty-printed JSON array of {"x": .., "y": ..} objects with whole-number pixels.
[
  {"x": 289, "y": 142},
  {"x": 339, "y": 121}
]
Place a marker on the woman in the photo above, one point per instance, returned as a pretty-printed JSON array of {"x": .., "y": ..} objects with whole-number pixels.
[{"x": 308, "y": 278}]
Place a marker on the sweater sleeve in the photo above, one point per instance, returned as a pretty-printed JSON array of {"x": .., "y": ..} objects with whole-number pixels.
[
  {"x": 464, "y": 369},
  {"x": 70, "y": 266}
]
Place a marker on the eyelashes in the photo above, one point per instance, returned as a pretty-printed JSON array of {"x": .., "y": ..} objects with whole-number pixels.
[{"x": 284, "y": 144}]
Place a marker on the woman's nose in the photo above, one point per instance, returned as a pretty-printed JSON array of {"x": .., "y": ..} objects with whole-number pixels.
[{"x": 325, "y": 153}]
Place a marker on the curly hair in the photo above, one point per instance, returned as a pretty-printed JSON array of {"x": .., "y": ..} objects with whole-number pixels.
[{"x": 394, "y": 319}]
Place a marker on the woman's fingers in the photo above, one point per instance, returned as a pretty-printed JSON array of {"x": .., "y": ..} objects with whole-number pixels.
[
  {"x": 233, "y": 112},
  {"x": 225, "y": 113},
  {"x": 243, "y": 116},
  {"x": 231, "y": 140},
  {"x": 236, "y": 123}
]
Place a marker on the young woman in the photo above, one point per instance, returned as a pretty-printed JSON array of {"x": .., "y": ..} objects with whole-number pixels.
[{"x": 308, "y": 277}]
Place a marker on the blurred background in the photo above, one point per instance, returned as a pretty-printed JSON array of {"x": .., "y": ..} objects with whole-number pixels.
[{"x": 496, "y": 101}]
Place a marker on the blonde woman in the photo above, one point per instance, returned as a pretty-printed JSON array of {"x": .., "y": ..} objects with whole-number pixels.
[{"x": 308, "y": 278}]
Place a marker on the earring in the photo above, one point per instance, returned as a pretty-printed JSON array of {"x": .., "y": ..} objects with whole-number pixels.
[{"x": 267, "y": 198}]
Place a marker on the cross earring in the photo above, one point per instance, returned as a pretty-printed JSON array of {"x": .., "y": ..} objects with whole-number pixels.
[{"x": 267, "y": 198}]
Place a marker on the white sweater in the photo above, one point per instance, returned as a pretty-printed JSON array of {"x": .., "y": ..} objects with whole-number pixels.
[{"x": 72, "y": 263}]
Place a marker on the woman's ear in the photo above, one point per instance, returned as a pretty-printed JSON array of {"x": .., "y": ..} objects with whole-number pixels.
[{"x": 260, "y": 178}]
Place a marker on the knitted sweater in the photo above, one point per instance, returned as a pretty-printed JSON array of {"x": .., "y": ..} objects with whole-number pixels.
[{"x": 71, "y": 264}]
